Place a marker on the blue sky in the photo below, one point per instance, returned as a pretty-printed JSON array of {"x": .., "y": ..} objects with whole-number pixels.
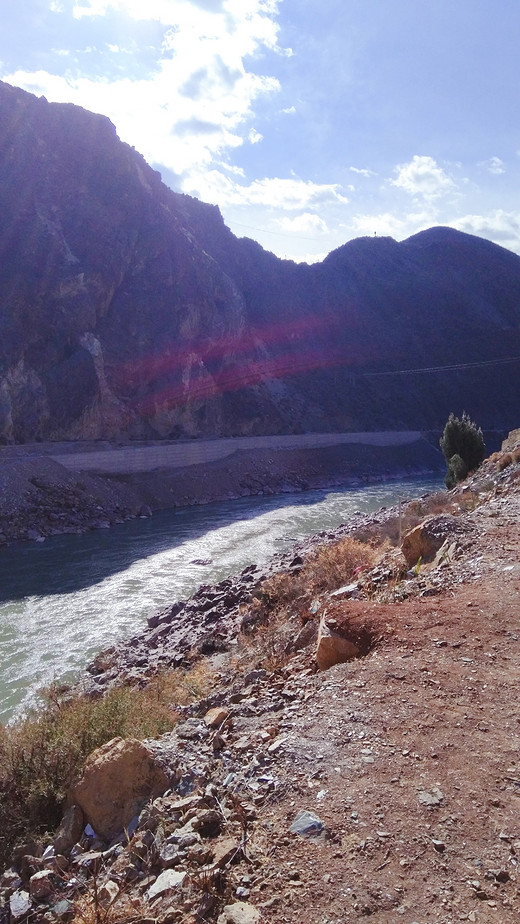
[{"x": 308, "y": 123}]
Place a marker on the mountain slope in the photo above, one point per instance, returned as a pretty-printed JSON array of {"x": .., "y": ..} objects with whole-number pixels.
[{"x": 129, "y": 310}]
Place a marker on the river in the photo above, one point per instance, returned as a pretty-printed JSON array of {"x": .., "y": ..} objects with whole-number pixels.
[{"x": 65, "y": 599}]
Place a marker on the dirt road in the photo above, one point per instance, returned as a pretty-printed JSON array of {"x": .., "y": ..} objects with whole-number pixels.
[{"x": 145, "y": 458}]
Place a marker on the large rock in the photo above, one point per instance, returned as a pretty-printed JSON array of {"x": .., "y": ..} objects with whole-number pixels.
[
  {"x": 333, "y": 647},
  {"x": 424, "y": 541},
  {"x": 117, "y": 780},
  {"x": 346, "y": 631}
]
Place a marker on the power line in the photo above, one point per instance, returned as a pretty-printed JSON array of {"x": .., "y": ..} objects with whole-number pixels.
[
  {"x": 296, "y": 237},
  {"x": 452, "y": 368}
]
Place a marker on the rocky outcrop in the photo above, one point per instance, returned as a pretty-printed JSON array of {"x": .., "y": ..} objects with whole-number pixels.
[
  {"x": 423, "y": 542},
  {"x": 128, "y": 309}
]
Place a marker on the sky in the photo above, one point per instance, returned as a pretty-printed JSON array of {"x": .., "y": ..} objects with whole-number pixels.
[{"x": 308, "y": 123}]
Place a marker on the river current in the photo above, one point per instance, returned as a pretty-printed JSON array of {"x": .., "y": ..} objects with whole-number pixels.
[{"x": 65, "y": 599}]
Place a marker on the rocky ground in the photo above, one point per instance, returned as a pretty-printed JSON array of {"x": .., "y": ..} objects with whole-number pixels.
[{"x": 384, "y": 787}]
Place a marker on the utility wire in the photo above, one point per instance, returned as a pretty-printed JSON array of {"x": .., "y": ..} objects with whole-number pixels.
[{"x": 452, "y": 368}]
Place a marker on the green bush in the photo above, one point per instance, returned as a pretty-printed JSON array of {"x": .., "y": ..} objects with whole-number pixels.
[
  {"x": 463, "y": 447},
  {"x": 457, "y": 471}
]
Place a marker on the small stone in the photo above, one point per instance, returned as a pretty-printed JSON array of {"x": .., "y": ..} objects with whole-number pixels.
[
  {"x": 430, "y": 799},
  {"x": 10, "y": 880},
  {"x": 41, "y": 885},
  {"x": 214, "y": 718},
  {"x": 239, "y": 913},
  {"x": 70, "y": 829},
  {"x": 208, "y": 823},
  {"x": 108, "y": 892},
  {"x": 226, "y": 851},
  {"x": 20, "y": 905},
  {"x": 440, "y": 846},
  {"x": 307, "y": 824},
  {"x": 166, "y": 882},
  {"x": 502, "y": 876},
  {"x": 63, "y": 910}
]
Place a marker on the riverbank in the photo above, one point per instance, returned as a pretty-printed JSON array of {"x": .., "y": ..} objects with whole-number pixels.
[
  {"x": 384, "y": 786},
  {"x": 43, "y": 492}
]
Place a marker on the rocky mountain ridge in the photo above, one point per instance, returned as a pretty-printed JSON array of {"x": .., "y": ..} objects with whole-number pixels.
[{"x": 128, "y": 310}]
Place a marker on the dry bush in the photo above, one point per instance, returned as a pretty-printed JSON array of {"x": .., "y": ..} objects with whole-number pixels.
[
  {"x": 333, "y": 565},
  {"x": 505, "y": 460},
  {"x": 89, "y": 909},
  {"x": 267, "y": 647},
  {"x": 41, "y": 754},
  {"x": 290, "y": 592},
  {"x": 181, "y": 687},
  {"x": 439, "y": 502},
  {"x": 325, "y": 569}
]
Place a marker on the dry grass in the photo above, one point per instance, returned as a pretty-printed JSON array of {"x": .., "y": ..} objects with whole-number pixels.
[
  {"x": 504, "y": 461},
  {"x": 282, "y": 605},
  {"x": 41, "y": 755},
  {"x": 90, "y": 909}
]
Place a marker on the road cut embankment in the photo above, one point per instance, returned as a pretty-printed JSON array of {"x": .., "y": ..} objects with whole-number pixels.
[{"x": 48, "y": 489}]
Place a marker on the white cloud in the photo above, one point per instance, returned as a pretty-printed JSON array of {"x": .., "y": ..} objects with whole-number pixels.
[
  {"x": 422, "y": 177},
  {"x": 291, "y": 111},
  {"x": 494, "y": 165},
  {"x": 362, "y": 171},
  {"x": 387, "y": 224},
  {"x": 200, "y": 79},
  {"x": 307, "y": 257},
  {"x": 254, "y": 137},
  {"x": 498, "y": 226},
  {"x": 307, "y": 223},
  {"x": 291, "y": 194}
]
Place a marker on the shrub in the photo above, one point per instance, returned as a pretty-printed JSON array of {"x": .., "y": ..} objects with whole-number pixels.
[
  {"x": 42, "y": 754},
  {"x": 461, "y": 438},
  {"x": 457, "y": 471}
]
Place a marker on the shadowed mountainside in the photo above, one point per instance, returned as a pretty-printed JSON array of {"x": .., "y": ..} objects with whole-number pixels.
[{"x": 128, "y": 310}]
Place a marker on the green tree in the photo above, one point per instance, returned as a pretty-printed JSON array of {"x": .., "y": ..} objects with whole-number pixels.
[{"x": 463, "y": 447}]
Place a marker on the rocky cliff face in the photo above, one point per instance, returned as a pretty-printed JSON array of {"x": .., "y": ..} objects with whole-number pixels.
[{"x": 129, "y": 310}]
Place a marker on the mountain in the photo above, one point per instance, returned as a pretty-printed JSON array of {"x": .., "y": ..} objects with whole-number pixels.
[{"x": 128, "y": 310}]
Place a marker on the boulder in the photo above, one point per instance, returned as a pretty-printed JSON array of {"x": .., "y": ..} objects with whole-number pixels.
[
  {"x": 424, "y": 541},
  {"x": 216, "y": 717},
  {"x": 166, "y": 882},
  {"x": 334, "y": 646},
  {"x": 117, "y": 780},
  {"x": 20, "y": 905}
]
